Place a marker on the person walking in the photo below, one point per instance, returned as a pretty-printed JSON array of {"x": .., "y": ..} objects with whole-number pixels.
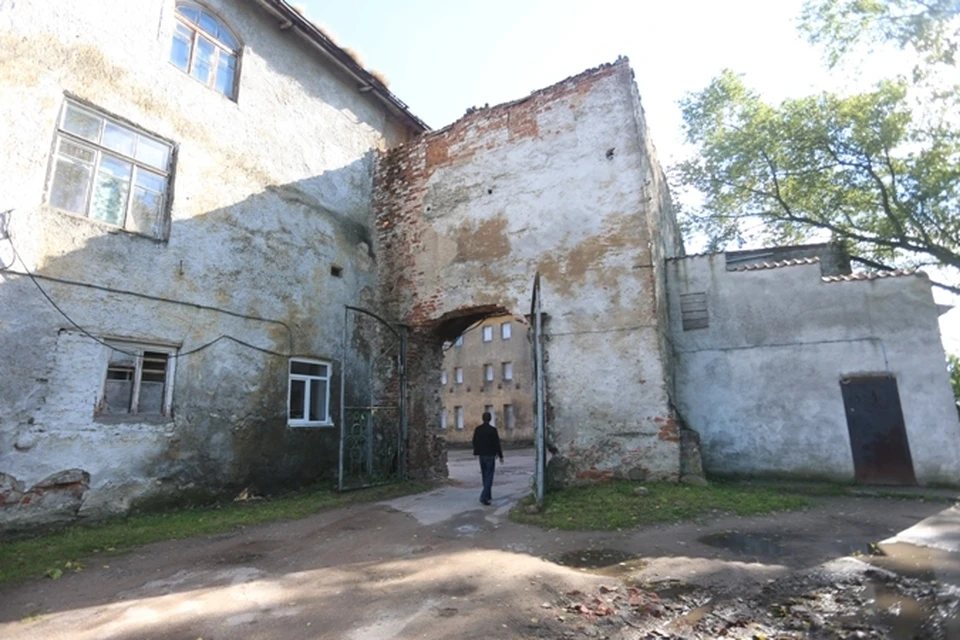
[{"x": 486, "y": 446}]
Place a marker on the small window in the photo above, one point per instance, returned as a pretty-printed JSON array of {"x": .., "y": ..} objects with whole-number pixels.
[
  {"x": 138, "y": 381},
  {"x": 458, "y": 375},
  {"x": 108, "y": 171},
  {"x": 488, "y": 372},
  {"x": 507, "y": 371},
  {"x": 458, "y": 342},
  {"x": 488, "y": 408},
  {"x": 443, "y": 419},
  {"x": 509, "y": 418},
  {"x": 693, "y": 311},
  {"x": 205, "y": 49},
  {"x": 488, "y": 334},
  {"x": 443, "y": 378},
  {"x": 308, "y": 402},
  {"x": 459, "y": 414},
  {"x": 506, "y": 331}
]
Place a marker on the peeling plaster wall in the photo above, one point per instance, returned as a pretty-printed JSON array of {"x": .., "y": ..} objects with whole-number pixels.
[
  {"x": 762, "y": 383},
  {"x": 268, "y": 192},
  {"x": 562, "y": 182}
]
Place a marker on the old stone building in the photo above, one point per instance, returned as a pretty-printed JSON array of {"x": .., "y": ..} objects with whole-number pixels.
[
  {"x": 488, "y": 368},
  {"x": 230, "y": 256}
]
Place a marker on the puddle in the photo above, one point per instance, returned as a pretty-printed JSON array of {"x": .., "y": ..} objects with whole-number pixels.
[
  {"x": 761, "y": 545},
  {"x": 610, "y": 562},
  {"x": 922, "y": 563},
  {"x": 905, "y": 617}
]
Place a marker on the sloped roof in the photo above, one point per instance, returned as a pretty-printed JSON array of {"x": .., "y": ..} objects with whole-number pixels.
[{"x": 756, "y": 266}]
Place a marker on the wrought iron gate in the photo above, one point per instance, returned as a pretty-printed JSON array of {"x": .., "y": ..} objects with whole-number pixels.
[
  {"x": 373, "y": 420},
  {"x": 539, "y": 393}
]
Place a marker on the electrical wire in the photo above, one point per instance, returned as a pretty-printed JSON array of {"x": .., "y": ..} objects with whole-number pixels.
[{"x": 76, "y": 325}]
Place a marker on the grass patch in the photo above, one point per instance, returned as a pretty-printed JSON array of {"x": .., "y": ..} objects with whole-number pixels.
[
  {"x": 54, "y": 554},
  {"x": 611, "y": 506}
]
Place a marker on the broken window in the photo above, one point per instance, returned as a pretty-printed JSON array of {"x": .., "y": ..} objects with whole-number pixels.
[
  {"x": 488, "y": 372},
  {"x": 110, "y": 172},
  {"x": 488, "y": 334},
  {"x": 459, "y": 414},
  {"x": 693, "y": 311},
  {"x": 507, "y": 371},
  {"x": 205, "y": 49},
  {"x": 506, "y": 331},
  {"x": 309, "y": 396},
  {"x": 138, "y": 381}
]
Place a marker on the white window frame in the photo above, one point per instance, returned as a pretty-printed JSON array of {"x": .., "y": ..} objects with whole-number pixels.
[
  {"x": 459, "y": 413},
  {"x": 307, "y": 379},
  {"x": 220, "y": 47},
  {"x": 98, "y": 151},
  {"x": 488, "y": 334},
  {"x": 488, "y": 373},
  {"x": 488, "y": 408},
  {"x": 506, "y": 331},
  {"x": 458, "y": 375},
  {"x": 507, "y": 371},
  {"x": 443, "y": 378},
  {"x": 137, "y": 350}
]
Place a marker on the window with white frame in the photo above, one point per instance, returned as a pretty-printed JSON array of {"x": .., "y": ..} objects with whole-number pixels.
[
  {"x": 443, "y": 419},
  {"x": 506, "y": 331},
  {"x": 509, "y": 417},
  {"x": 488, "y": 372},
  {"x": 488, "y": 334},
  {"x": 458, "y": 342},
  {"x": 459, "y": 415},
  {"x": 204, "y": 48},
  {"x": 139, "y": 380},
  {"x": 308, "y": 403},
  {"x": 458, "y": 375},
  {"x": 110, "y": 171},
  {"x": 507, "y": 371},
  {"x": 488, "y": 408},
  {"x": 443, "y": 377}
]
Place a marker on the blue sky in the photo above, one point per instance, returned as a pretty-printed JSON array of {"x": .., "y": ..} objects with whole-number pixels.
[{"x": 442, "y": 57}]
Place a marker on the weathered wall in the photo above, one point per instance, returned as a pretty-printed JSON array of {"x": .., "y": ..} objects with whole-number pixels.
[
  {"x": 762, "y": 383},
  {"x": 562, "y": 182},
  {"x": 269, "y": 192},
  {"x": 476, "y": 392}
]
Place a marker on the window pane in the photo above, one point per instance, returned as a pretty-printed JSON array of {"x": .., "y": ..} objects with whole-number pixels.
[
  {"x": 82, "y": 123},
  {"x": 209, "y": 24},
  {"x": 110, "y": 193},
  {"x": 297, "y": 390},
  {"x": 117, "y": 396},
  {"x": 203, "y": 60},
  {"x": 77, "y": 151},
  {"x": 71, "y": 181},
  {"x": 154, "y": 367},
  {"x": 151, "y": 398},
  {"x": 119, "y": 139},
  {"x": 151, "y": 181},
  {"x": 156, "y": 154},
  {"x": 318, "y": 400},
  {"x": 225, "y": 75},
  {"x": 308, "y": 368},
  {"x": 123, "y": 355},
  {"x": 190, "y": 13},
  {"x": 226, "y": 39},
  {"x": 180, "y": 47},
  {"x": 145, "y": 212}
]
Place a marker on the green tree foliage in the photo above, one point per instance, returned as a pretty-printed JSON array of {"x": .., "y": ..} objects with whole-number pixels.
[
  {"x": 953, "y": 366},
  {"x": 872, "y": 170}
]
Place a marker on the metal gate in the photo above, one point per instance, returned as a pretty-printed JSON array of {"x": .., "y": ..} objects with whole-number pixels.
[
  {"x": 878, "y": 436},
  {"x": 539, "y": 393},
  {"x": 373, "y": 420}
]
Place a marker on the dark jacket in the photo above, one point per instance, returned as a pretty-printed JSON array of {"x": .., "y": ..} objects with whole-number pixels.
[{"x": 486, "y": 441}]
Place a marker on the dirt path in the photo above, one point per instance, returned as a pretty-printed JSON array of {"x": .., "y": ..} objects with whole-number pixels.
[{"x": 440, "y": 565}]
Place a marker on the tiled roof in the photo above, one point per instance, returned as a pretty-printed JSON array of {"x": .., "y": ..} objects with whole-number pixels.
[
  {"x": 874, "y": 275},
  {"x": 756, "y": 266}
]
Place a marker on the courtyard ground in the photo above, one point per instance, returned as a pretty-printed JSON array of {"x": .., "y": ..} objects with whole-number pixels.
[{"x": 441, "y": 565}]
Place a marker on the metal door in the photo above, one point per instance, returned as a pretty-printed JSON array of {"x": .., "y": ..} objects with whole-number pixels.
[
  {"x": 539, "y": 393},
  {"x": 373, "y": 421},
  {"x": 878, "y": 437}
]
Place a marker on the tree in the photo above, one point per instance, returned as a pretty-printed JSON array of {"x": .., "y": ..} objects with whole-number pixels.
[
  {"x": 872, "y": 170},
  {"x": 953, "y": 367}
]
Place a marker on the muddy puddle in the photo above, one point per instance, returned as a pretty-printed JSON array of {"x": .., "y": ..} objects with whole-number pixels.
[
  {"x": 608, "y": 562},
  {"x": 921, "y": 563},
  {"x": 757, "y": 545}
]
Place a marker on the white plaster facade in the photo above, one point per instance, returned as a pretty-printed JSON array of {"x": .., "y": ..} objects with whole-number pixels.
[
  {"x": 761, "y": 383},
  {"x": 268, "y": 192}
]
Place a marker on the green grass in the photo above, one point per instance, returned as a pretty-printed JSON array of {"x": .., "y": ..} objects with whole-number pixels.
[
  {"x": 66, "y": 550},
  {"x": 613, "y": 506}
]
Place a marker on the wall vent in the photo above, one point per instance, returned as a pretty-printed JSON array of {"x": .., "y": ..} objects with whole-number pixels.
[{"x": 693, "y": 311}]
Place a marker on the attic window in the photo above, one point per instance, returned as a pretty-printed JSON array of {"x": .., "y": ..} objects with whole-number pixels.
[
  {"x": 693, "y": 311},
  {"x": 204, "y": 48}
]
